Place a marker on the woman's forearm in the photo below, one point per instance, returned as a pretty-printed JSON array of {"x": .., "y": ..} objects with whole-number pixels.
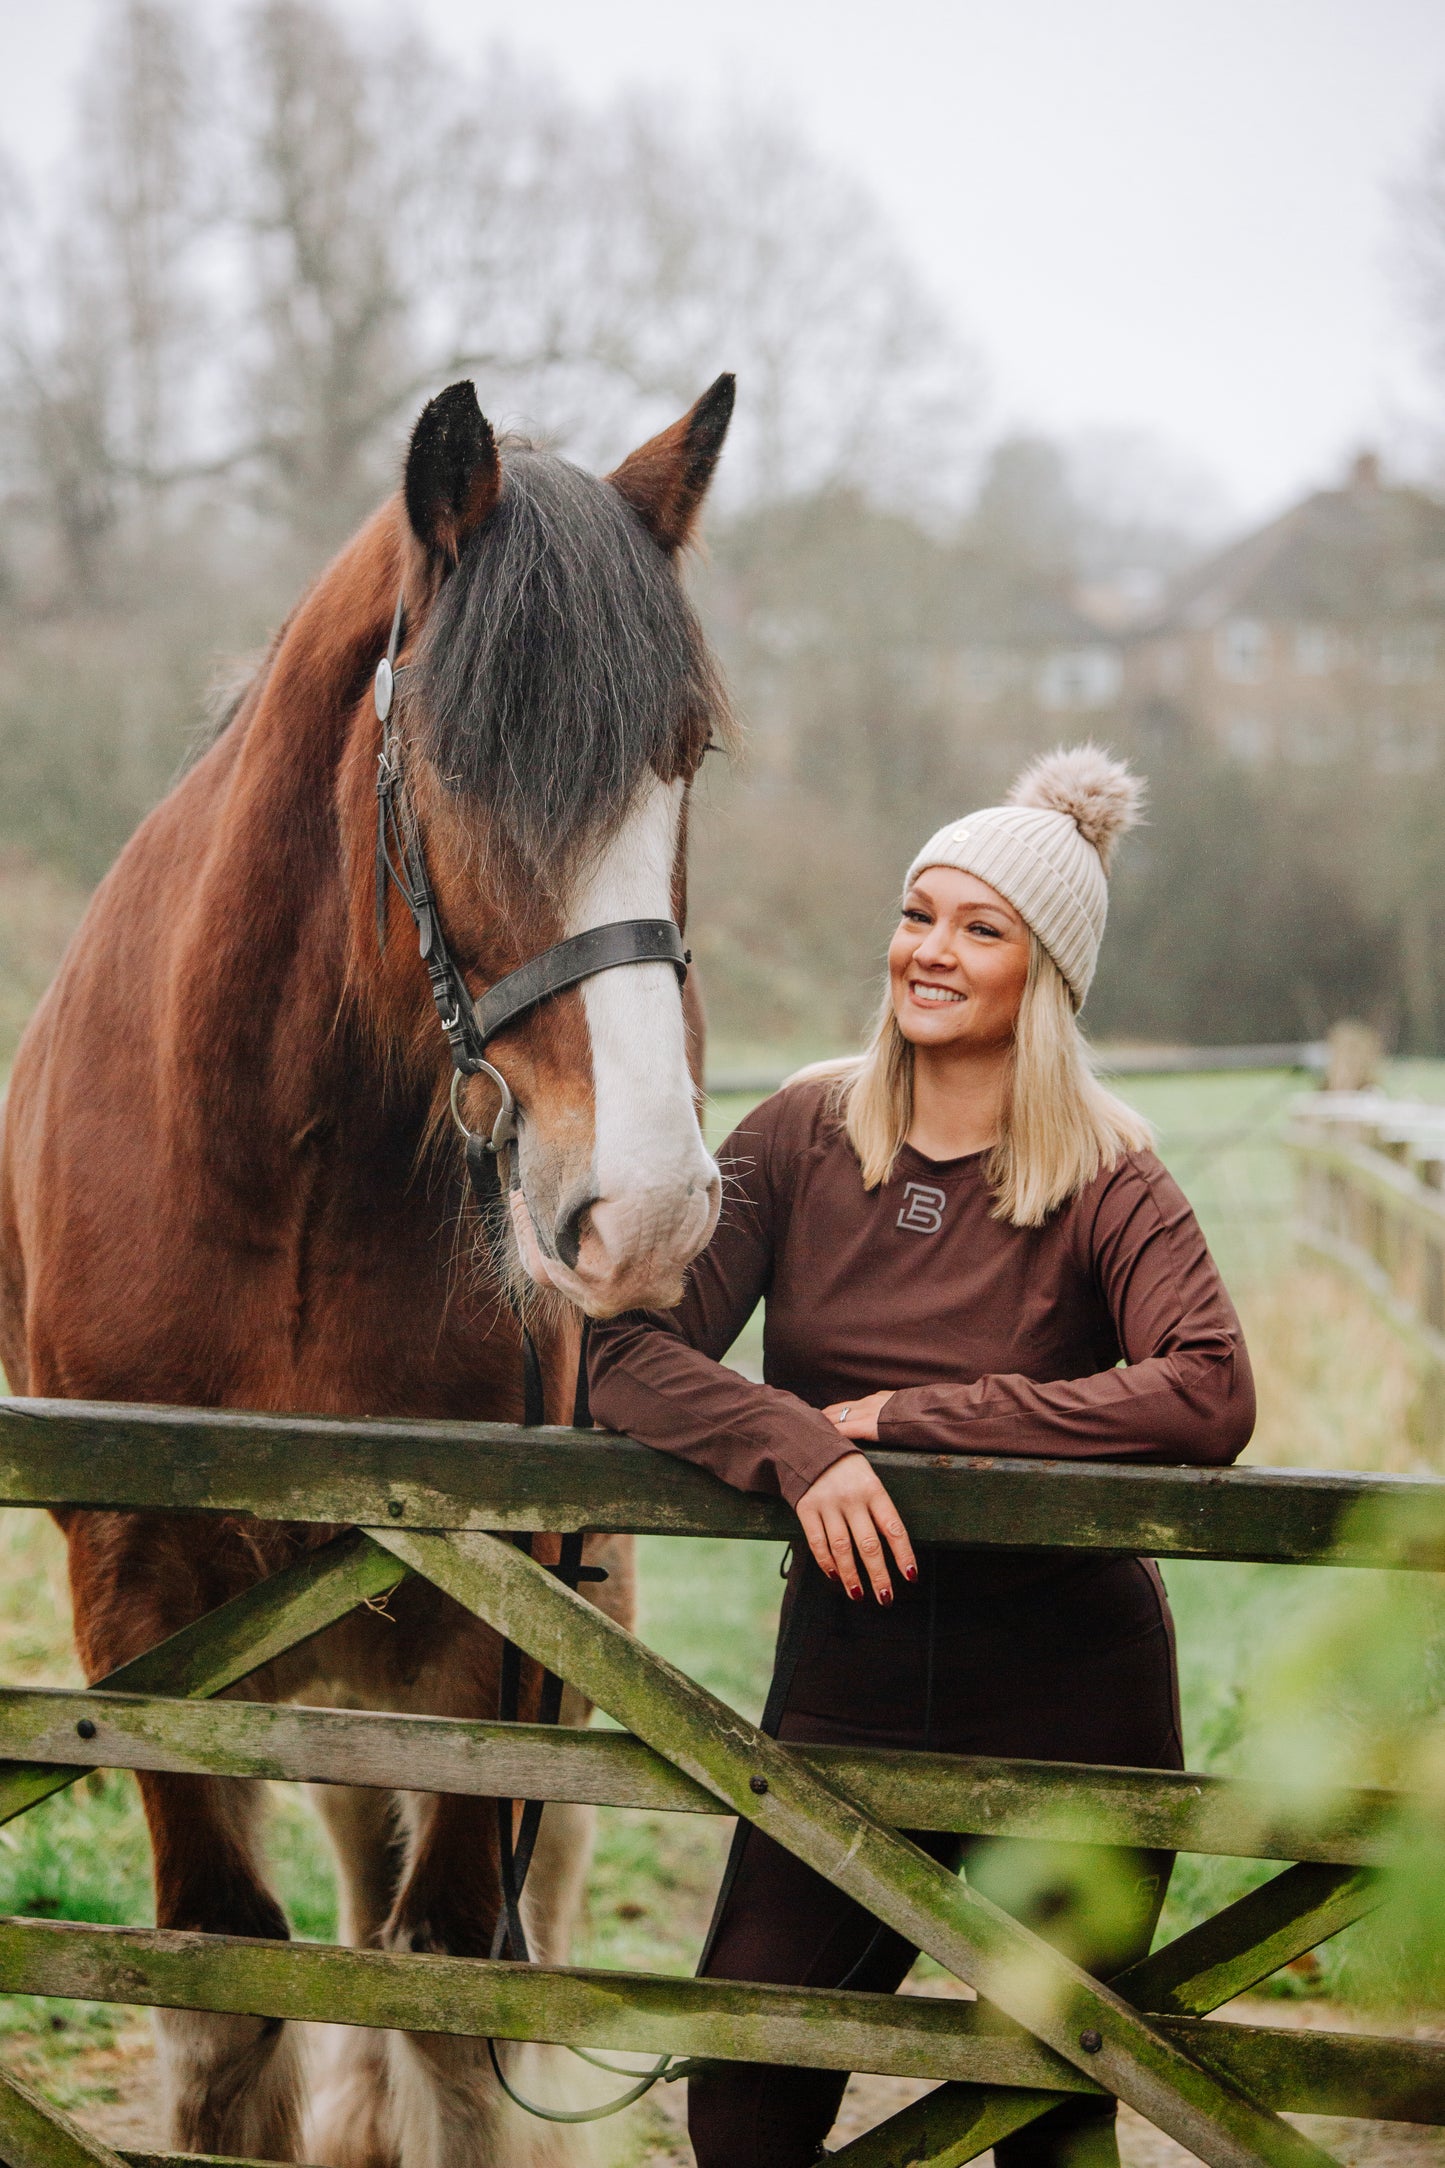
[
  {"x": 1194, "y": 1405},
  {"x": 650, "y": 1383}
]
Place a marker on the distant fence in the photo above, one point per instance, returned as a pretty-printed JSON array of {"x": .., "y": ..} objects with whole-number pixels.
[
  {"x": 1372, "y": 1198},
  {"x": 1311, "y": 1055}
]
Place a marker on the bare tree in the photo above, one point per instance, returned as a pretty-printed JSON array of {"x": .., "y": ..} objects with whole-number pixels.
[
  {"x": 323, "y": 332},
  {"x": 368, "y": 220},
  {"x": 1420, "y": 243},
  {"x": 103, "y": 305}
]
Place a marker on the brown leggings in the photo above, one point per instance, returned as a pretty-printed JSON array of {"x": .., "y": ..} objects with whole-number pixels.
[{"x": 1021, "y": 1657}]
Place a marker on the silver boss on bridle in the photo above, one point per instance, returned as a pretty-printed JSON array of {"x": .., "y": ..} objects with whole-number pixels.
[{"x": 470, "y": 1025}]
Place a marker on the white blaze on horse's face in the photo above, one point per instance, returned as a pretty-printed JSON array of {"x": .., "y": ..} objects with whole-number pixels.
[{"x": 653, "y": 1191}]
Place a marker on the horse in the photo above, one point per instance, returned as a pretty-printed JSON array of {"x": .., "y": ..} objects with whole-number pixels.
[{"x": 230, "y": 1177}]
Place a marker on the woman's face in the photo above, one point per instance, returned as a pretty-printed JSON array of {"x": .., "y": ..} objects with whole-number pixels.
[{"x": 958, "y": 964}]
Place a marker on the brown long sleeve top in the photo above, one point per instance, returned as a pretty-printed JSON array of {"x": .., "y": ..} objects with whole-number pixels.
[{"x": 1104, "y": 1334}]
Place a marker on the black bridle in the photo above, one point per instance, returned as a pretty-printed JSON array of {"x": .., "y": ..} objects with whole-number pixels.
[{"x": 470, "y": 1025}]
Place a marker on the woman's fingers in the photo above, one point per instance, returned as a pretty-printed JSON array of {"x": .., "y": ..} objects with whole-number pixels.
[
  {"x": 864, "y": 1531},
  {"x": 811, "y": 1521},
  {"x": 888, "y": 1518},
  {"x": 840, "y": 1547},
  {"x": 847, "y": 1517}
]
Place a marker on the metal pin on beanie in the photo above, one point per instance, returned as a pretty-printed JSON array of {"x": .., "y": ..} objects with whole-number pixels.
[{"x": 1048, "y": 849}]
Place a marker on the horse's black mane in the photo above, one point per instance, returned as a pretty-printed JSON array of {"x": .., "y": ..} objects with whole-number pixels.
[{"x": 562, "y": 661}]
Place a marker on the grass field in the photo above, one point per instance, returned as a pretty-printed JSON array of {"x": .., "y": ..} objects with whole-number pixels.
[{"x": 1337, "y": 1388}]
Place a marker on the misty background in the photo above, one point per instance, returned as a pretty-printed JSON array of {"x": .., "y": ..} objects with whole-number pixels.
[{"x": 957, "y": 522}]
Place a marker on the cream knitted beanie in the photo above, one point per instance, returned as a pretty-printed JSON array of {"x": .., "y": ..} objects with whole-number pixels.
[{"x": 1047, "y": 851}]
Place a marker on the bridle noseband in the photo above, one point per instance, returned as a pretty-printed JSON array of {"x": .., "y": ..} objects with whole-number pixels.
[{"x": 470, "y": 1025}]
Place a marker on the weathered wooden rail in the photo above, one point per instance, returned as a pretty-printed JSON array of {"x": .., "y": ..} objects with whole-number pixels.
[
  {"x": 1372, "y": 1199},
  {"x": 431, "y": 1498}
]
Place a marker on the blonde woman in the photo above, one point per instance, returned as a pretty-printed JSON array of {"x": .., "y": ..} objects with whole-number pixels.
[{"x": 965, "y": 1245}]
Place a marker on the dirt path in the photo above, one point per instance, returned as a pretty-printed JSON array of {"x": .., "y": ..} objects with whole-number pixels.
[{"x": 109, "y": 2085}]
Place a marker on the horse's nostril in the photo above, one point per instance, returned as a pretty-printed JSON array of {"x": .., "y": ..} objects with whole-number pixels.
[{"x": 572, "y": 1225}]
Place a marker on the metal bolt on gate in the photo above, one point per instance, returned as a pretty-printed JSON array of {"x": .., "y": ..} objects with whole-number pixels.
[{"x": 1219, "y": 2088}]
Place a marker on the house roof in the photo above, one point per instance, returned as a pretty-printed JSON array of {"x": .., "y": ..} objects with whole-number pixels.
[{"x": 1360, "y": 553}]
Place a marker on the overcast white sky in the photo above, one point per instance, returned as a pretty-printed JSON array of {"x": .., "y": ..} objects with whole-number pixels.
[{"x": 1158, "y": 215}]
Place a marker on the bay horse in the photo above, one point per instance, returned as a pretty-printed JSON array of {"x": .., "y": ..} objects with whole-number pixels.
[{"x": 229, "y": 1176}]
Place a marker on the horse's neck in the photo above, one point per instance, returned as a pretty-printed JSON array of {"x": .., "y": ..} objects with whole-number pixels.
[{"x": 260, "y": 968}]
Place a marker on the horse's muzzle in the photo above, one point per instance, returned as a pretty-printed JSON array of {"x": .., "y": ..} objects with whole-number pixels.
[{"x": 609, "y": 1254}]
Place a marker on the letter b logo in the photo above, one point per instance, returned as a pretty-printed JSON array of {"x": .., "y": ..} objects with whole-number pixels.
[{"x": 922, "y": 1212}]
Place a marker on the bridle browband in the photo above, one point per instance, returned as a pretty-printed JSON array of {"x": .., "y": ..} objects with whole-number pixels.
[{"x": 470, "y": 1025}]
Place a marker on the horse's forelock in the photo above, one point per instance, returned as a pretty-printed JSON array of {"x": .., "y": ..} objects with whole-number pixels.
[{"x": 562, "y": 663}]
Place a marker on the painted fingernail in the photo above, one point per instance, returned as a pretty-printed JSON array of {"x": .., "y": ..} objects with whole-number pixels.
[
  {"x": 885, "y": 1596},
  {"x": 910, "y": 1573},
  {"x": 856, "y": 1594}
]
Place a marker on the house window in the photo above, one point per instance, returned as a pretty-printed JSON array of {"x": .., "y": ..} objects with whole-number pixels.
[
  {"x": 1081, "y": 677},
  {"x": 1316, "y": 650},
  {"x": 1241, "y": 650}
]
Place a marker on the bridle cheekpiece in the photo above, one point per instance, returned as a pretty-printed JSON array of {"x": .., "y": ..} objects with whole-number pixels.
[{"x": 470, "y": 1025}]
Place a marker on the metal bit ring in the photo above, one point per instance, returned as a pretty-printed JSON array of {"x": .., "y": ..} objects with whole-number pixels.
[{"x": 504, "y": 1128}]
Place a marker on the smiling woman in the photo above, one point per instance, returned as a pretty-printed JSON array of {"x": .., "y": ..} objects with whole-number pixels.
[
  {"x": 965, "y": 1245},
  {"x": 977, "y": 1047}
]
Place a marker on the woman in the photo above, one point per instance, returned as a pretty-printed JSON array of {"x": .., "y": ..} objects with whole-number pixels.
[{"x": 965, "y": 1245}]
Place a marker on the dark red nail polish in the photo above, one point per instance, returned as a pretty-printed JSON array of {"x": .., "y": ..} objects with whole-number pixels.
[
  {"x": 856, "y": 1594},
  {"x": 910, "y": 1573},
  {"x": 887, "y": 1596}
]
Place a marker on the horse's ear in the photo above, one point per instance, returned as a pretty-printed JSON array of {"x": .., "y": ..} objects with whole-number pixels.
[
  {"x": 666, "y": 480},
  {"x": 453, "y": 472}
]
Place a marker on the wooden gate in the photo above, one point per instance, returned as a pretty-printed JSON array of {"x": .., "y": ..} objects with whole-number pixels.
[{"x": 438, "y": 1500}]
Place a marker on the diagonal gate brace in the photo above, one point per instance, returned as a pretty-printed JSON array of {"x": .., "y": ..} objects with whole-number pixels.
[
  {"x": 35, "y": 2135},
  {"x": 1220, "y": 1958},
  {"x": 229, "y": 1643},
  {"x": 1086, "y": 2022}
]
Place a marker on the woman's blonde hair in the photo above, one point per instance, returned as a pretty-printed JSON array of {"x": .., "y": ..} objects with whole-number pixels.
[{"x": 1060, "y": 1126}]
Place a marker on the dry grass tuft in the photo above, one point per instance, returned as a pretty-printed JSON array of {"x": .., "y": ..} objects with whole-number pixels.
[{"x": 1338, "y": 1386}]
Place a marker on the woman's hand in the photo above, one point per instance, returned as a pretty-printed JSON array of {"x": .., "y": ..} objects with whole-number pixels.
[
  {"x": 859, "y": 1418},
  {"x": 847, "y": 1510}
]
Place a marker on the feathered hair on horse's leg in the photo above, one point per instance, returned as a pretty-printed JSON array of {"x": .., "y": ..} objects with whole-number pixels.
[
  {"x": 351, "y": 2121},
  {"x": 450, "y": 2111},
  {"x": 233, "y": 2085}
]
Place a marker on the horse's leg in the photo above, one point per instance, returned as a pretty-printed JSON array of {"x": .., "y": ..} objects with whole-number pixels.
[
  {"x": 449, "y": 2110},
  {"x": 349, "y": 2125},
  {"x": 135, "y": 1578},
  {"x": 233, "y": 2084},
  {"x": 433, "y": 2101}
]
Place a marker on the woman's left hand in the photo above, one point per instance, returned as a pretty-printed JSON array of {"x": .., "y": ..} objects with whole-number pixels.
[{"x": 858, "y": 1419}]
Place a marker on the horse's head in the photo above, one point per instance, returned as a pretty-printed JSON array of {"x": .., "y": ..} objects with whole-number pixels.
[{"x": 558, "y": 703}]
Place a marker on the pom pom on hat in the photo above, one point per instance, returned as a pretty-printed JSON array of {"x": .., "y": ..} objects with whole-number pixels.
[
  {"x": 1048, "y": 850},
  {"x": 1098, "y": 793}
]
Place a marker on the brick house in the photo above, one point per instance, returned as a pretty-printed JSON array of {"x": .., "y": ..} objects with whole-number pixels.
[{"x": 1318, "y": 640}]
